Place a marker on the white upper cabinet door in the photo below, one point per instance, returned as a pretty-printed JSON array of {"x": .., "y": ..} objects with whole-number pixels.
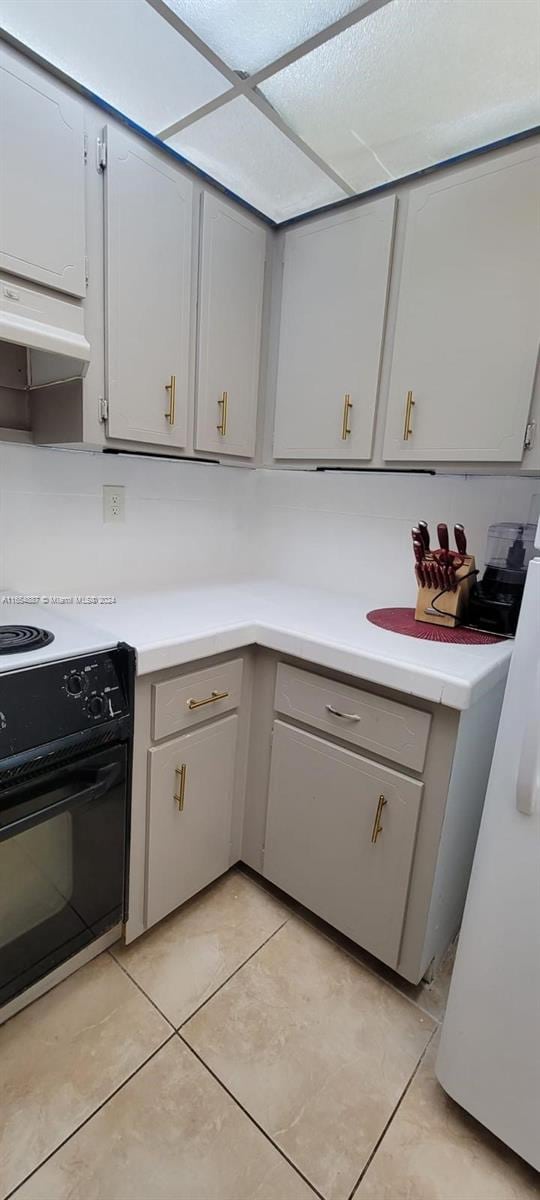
[
  {"x": 42, "y": 166},
  {"x": 466, "y": 339},
  {"x": 335, "y": 285},
  {"x": 233, "y": 251},
  {"x": 149, "y": 214}
]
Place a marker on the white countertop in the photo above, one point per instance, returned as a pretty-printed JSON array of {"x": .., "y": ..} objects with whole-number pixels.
[{"x": 169, "y": 628}]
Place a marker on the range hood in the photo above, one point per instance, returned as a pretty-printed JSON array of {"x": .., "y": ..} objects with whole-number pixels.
[{"x": 49, "y": 327}]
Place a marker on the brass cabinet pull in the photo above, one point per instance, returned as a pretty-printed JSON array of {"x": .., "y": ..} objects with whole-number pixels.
[
  {"x": 407, "y": 427},
  {"x": 180, "y": 792},
  {"x": 209, "y": 700},
  {"x": 347, "y": 405},
  {"x": 377, "y": 827},
  {"x": 346, "y": 716},
  {"x": 223, "y": 403},
  {"x": 170, "y": 415}
]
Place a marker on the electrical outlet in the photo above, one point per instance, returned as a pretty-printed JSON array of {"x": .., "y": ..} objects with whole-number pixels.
[{"x": 114, "y": 503}]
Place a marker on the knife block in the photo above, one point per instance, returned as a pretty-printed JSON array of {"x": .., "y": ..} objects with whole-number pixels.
[{"x": 452, "y": 605}]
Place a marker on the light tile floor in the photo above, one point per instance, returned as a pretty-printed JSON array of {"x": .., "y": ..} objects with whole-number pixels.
[{"x": 236, "y": 1052}]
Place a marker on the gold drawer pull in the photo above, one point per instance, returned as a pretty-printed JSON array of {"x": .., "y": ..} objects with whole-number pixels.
[
  {"x": 223, "y": 403},
  {"x": 407, "y": 428},
  {"x": 377, "y": 827},
  {"x": 345, "y": 430},
  {"x": 209, "y": 700},
  {"x": 170, "y": 415},
  {"x": 180, "y": 792},
  {"x": 346, "y": 716}
]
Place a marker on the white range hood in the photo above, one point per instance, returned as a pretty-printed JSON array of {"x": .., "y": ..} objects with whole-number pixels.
[{"x": 50, "y": 327}]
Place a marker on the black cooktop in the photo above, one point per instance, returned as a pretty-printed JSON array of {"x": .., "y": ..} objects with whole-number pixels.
[{"x": 15, "y": 639}]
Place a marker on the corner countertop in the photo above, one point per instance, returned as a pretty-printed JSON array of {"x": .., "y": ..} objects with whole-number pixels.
[{"x": 172, "y": 627}]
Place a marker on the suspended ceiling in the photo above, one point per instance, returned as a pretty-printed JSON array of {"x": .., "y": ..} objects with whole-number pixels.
[{"x": 294, "y": 104}]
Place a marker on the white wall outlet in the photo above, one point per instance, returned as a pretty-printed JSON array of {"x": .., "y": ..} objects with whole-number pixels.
[{"x": 114, "y": 502}]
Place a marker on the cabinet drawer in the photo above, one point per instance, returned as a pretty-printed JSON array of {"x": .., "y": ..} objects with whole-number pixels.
[
  {"x": 320, "y": 843},
  {"x": 392, "y": 730},
  {"x": 186, "y": 701},
  {"x": 189, "y": 839}
]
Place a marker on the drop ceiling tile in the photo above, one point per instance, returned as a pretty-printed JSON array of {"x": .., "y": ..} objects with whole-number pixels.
[
  {"x": 120, "y": 49},
  {"x": 249, "y": 34},
  {"x": 413, "y": 84},
  {"x": 241, "y": 148}
]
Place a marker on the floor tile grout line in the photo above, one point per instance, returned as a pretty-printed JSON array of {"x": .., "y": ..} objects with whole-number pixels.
[
  {"x": 231, "y": 976},
  {"x": 333, "y": 942},
  {"x": 249, "y": 1116},
  {"x": 371, "y": 970},
  {"x": 90, "y": 1116},
  {"x": 394, "y": 1112},
  {"x": 142, "y": 991}
]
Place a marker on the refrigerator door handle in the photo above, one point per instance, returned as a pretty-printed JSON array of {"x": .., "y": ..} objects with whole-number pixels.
[{"x": 528, "y": 779}]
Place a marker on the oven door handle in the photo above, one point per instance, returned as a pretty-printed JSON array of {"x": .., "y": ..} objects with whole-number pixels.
[{"x": 105, "y": 778}]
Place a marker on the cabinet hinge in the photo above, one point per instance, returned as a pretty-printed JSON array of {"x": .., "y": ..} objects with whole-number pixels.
[
  {"x": 530, "y": 434},
  {"x": 86, "y": 269},
  {"x": 103, "y": 408},
  {"x": 101, "y": 153},
  {"x": 85, "y": 148}
]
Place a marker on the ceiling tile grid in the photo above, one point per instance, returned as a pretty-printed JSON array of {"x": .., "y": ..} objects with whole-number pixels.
[{"x": 295, "y": 104}]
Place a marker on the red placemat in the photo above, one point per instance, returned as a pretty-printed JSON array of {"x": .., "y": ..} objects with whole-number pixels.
[{"x": 401, "y": 620}]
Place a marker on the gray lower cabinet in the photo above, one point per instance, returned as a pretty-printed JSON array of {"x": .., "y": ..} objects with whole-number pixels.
[
  {"x": 340, "y": 837},
  {"x": 191, "y": 793}
]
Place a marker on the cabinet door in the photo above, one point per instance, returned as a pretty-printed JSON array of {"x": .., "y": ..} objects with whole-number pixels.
[
  {"x": 42, "y": 215},
  {"x": 148, "y": 255},
  {"x": 189, "y": 840},
  {"x": 320, "y": 848},
  {"x": 335, "y": 284},
  {"x": 466, "y": 339},
  {"x": 233, "y": 250}
]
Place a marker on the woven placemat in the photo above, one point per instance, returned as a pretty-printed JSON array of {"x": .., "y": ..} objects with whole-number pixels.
[{"x": 401, "y": 620}]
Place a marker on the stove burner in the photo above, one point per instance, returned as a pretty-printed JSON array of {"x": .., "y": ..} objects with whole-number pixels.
[{"x": 14, "y": 639}]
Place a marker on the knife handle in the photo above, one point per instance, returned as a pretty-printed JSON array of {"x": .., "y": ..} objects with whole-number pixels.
[
  {"x": 424, "y": 534},
  {"x": 461, "y": 539},
  {"x": 442, "y": 534}
]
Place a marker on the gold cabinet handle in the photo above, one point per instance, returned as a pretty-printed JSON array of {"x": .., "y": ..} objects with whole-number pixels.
[
  {"x": 170, "y": 415},
  {"x": 346, "y": 716},
  {"x": 377, "y": 827},
  {"x": 209, "y": 700},
  {"x": 223, "y": 404},
  {"x": 347, "y": 405},
  {"x": 180, "y": 792},
  {"x": 407, "y": 427}
]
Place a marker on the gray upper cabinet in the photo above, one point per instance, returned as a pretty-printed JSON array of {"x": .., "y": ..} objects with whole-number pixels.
[
  {"x": 42, "y": 165},
  {"x": 233, "y": 250},
  {"x": 335, "y": 286},
  {"x": 466, "y": 339},
  {"x": 148, "y": 218}
]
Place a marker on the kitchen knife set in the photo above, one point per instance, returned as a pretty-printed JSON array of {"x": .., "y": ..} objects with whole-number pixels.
[
  {"x": 438, "y": 568},
  {"x": 444, "y": 576}
]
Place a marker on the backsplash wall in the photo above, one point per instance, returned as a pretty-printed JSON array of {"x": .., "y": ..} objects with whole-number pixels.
[
  {"x": 184, "y": 522},
  {"x": 352, "y": 532},
  {"x": 187, "y": 522}
]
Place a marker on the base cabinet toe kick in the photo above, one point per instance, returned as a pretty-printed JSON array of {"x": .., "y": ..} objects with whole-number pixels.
[{"x": 358, "y": 802}]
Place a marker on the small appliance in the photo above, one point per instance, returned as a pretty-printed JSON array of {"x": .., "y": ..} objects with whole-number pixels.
[{"x": 495, "y": 600}]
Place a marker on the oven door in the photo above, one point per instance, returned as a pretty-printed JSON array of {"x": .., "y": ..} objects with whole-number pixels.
[{"x": 62, "y": 864}]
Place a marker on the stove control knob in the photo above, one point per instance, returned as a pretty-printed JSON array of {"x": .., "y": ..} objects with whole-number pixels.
[
  {"x": 75, "y": 685},
  {"x": 96, "y": 706}
]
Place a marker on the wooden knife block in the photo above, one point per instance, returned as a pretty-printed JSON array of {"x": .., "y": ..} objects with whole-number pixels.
[{"x": 452, "y": 605}]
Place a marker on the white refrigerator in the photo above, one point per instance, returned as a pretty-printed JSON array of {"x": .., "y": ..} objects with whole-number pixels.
[{"x": 489, "y": 1057}]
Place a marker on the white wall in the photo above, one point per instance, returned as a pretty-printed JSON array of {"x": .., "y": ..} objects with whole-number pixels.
[
  {"x": 352, "y": 532},
  {"x": 185, "y": 522},
  {"x": 189, "y": 522}
]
